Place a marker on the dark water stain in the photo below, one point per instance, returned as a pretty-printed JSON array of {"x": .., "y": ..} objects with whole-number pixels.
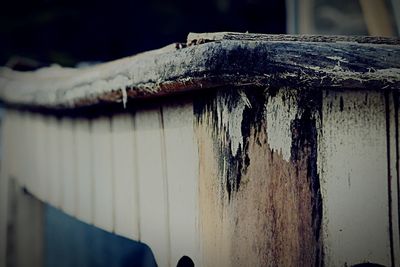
[
  {"x": 341, "y": 104},
  {"x": 305, "y": 146},
  {"x": 252, "y": 116},
  {"x": 69, "y": 242}
]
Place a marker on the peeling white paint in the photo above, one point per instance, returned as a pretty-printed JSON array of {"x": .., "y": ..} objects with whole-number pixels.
[
  {"x": 280, "y": 111},
  {"x": 230, "y": 119}
]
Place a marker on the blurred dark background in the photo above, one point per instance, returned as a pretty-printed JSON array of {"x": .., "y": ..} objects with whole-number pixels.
[
  {"x": 39, "y": 32},
  {"x": 36, "y": 33}
]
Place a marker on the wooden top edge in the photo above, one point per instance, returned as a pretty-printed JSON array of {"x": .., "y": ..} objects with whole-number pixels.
[
  {"x": 211, "y": 60},
  {"x": 194, "y": 38}
]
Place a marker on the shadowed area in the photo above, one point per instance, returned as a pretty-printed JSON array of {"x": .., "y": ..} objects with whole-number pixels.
[{"x": 69, "y": 242}]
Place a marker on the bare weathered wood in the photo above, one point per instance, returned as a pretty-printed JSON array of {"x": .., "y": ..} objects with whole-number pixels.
[
  {"x": 259, "y": 205},
  {"x": 198, "y": 38},
  {"x": 228, "y": 59}
]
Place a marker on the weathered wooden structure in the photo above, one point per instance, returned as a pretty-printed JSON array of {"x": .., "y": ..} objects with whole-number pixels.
[{"x": 232, "y": 149}]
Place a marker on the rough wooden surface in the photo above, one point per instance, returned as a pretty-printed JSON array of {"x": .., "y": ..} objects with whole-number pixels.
[
  {"x": 279, "y": 177},
  {"x": 195, "y": 38},
  {"x": 212, "y": 60},
  {"x": 257, "y": 207}
]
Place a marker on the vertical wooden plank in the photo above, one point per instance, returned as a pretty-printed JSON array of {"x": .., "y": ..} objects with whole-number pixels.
[
  {"x": 182, "y": 175},
  {"x": 68, "y": 172},
  {"x": 4, "y": 184},
  {"x": 153, "y": 192},
  {"x": 394, "y": 130},
  {"x": 354, "y": 178},
  {"x": 32, "y": 174},
  {"x": 102, "y": 173},
  {"x": 84, "y": 168},
  {"x": 33, "y": 154},
  {"x": 54, "y": 164},
  {"x": 41, "y": 155},
  {"x": 24, "y": 147},
  {"x": 259, "y": 192},
  {"x": 125, "y": 187},
  {"x": 13, "y": 142}
]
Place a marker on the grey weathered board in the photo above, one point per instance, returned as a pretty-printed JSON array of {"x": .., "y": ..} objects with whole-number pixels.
[
  {"x": 289, "y": 158},
  {"x": 212, "y": 60}
]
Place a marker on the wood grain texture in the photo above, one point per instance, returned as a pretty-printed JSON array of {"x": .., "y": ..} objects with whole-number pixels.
[
  {"x": 199, "y": 38},
  {"x": 228, "y": 60},
  {"x": 353, "y": 162},
  {"x": 126, "y": 206},
  {"x": 153, "y": 187},
  {"x": 182, "y": 174},
  {"x": 256, "y": 207}
]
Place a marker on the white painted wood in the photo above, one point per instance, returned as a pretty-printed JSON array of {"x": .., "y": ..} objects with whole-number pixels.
[
  {"x": 354, "y": 178},
  {"x": 68, "y": 171},
  {"x": 281, "y": 110},
  {"x": 24, "y": 137},
  {"x": 12, "y": 142},
  {"x": 153, "y": 189},
  {"x": 41, "y": 155},
  {"x": 182, "y": 175},
  {"x": 102, "y": 173},
  {"x": 54, "y": 163},
  {"x": 84, "y": 170},
  {"x": 31, "y": 174},
  {"x": 125, "y": 188}
]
